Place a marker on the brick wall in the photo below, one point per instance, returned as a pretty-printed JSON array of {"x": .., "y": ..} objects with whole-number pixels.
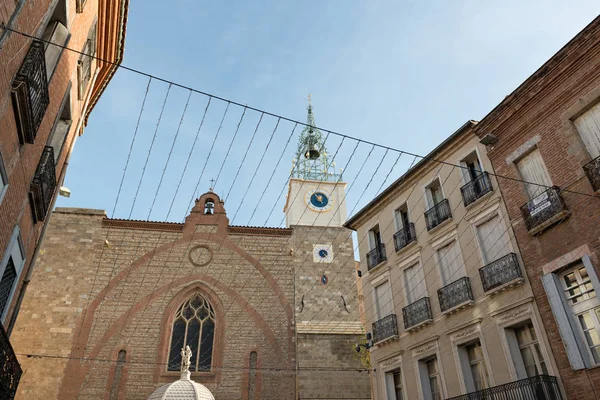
[{"x": 540, "y": 111}]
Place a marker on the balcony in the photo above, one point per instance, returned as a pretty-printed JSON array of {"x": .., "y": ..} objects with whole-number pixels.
[
  {"x": 385, "y": 329},
  {"x": 376, "y": 256},
  {"x": 405, "y": 236},
  {"x": 539, "y": 387},
  {"x": 438, "y": 214},
  {"x": 417, "y": 314},
  {"x": 476, "y": 189},
  {"x": 544, "y": 210},
  {"x": 30, "y": 93},
  {"x": 592, "y": 170},
  {"x": 501, "y": 273},
  {"x": 10, "y": 370},
  {"x": 455, "y": 295},
  {"x": 43, "y": 185}
]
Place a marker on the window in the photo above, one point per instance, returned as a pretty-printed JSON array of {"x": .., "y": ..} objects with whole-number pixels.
[
  {"x": 414, "y": 281},
  {"x": 472, "y": 168},
  {"x": 383, "y": 300},
  {"x": 450, "y": 263},
  {"x": 434, "y": 193},
  {"x": 588, "y": 126},
  {"x": 194, "y": 326},
  {"x": 525, "y": 351},
  {"x": 252, "y": 375},
  {"x": 56, "y": 32},
  {"x": 11, "y": 267},
  {"x": 581, "y": 296},
  {"x": 3, "y": 179},
  {"x": 431, "y": 382},
  {"x": 61, "y": 126},
  {"x": 477, "y": 371},
  {"x": 532, "y": 169},
  {"x": 401, "y": 219},
  {"x": 114, "y": 388},
  {"x": 393, "y": 385},
  {"x": 84, "y": 65},
  {"x": 209, "y": 206},
  {"x": 375, "y": 238},
  {"x": 494, "y": 240}
]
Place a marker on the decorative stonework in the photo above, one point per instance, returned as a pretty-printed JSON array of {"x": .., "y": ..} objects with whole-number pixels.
[
  {"x": 425, "y": 348},
  {"x": 391, "y": 361},
  {"x": 512, "y": 314},
  {"x": 200, "y": 255},
  {"x": 145, "y": 225},
  {"x": 463, "y": 333}
]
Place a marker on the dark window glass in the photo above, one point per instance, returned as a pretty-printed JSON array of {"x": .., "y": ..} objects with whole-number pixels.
[{"x": 6, "y": 284}]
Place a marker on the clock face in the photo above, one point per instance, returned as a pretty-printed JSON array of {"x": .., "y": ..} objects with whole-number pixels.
[
  {"x": 322, "y": 253},
  {"x": 319, "y": 200}
]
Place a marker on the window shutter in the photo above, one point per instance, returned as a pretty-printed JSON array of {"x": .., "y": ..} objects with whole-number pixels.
[
  {"x": 450, "y": 263},
  {"x": 533, "y": 170},
  {"x": 493, "y": 239},
  {"x": 383, "y": 294},
  {"x": 588, "y": 126},
  {"x": 565, "y": 322}
]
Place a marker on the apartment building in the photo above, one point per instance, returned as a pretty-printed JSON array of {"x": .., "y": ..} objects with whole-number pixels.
[
  {"x": 545, "y": 137},
  {"x": 450, "y": 309},
  {"x": 46, "y": 96}
]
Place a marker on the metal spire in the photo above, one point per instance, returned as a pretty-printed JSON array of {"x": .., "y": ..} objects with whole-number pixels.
[{"x": 311, "y": 160}]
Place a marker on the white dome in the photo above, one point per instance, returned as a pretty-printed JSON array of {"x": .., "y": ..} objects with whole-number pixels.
[{"x": 183, "y": 389}]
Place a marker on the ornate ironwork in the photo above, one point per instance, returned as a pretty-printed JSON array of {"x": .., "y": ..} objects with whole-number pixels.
[
  {"x": 311, "y": 161},
  {"x": 376, "y": 256},
  {"x": 592, "y": 170},
  {"x": 455, "y": 293},
  {"x": 543, "y": 207},
  {"x": 539, "y": 387},
  {"x": 499, "y": 272},
  {"x": 43, "y": 184},
  {"x": 30, "y": 93},
  {"x": 385, "y": 328},
  {"x": 438, "y": 214},
  {"x": 417, "y": 312},
  {"x": 10, "y": 370},
  {"x": 404, "y": 236},
  {"x": 476, "y": 188}
]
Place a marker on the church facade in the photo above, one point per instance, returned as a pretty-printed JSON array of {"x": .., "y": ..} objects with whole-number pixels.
[{"x": 268, "y": 313}]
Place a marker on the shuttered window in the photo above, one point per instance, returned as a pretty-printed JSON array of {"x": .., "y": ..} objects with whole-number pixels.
[
  {"x": 532, "y": 169},
  {"x": 588, "y": 126},
  {"x": 493, "y": 239},
  {"x": 84, "y": 65},
  {"x": 383, "y": 300},
  {"x": 10, "y": 267},
  {"x": 450, "y": 263},
  {"x": 414, "y": 283}
]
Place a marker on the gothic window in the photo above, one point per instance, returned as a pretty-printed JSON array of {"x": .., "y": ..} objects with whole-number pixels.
[
  {"x": 114, "y": 390},
  {"x": 194, "y": 326}
]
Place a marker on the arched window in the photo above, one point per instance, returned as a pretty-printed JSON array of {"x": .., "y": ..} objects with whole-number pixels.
[
  {"x": 194, "y": 326},
  {"x": 209, "y": 206}
]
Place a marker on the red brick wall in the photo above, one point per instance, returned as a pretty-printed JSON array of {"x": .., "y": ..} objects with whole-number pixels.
[
  {"x": 544, "y": 106},
  {"x": 21, "y": 161}
]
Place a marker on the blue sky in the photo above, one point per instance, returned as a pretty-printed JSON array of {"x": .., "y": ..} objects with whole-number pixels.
[{"x": 404, "y": 74}]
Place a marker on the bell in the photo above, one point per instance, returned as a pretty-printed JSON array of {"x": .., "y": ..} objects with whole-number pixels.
[{"x": 312, "y": 153}]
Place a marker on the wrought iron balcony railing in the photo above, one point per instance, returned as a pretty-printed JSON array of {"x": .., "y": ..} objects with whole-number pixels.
[
  {"x": 417, "y": 313},
  {"x": 376, "y": 256},
  {"x": 438, "y": 214},
  {"x": 592, "y": 170},
  {"x": 455, "y": 294},
  {"x": 10, "y": 370},
  {"x": 476, "y": 188},
  {"x": 385, "y": 328},
  {"x": 405, "y": 236},
  {"x": 539, "y": 387},
  {"x": 500, "y": 272},
  {"x": 545, "y": 209},
  {"x": 43, "y": 185},
  {"x": 30, "y": 93}
]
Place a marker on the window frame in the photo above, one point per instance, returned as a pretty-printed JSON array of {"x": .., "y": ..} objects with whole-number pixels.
[
  {"x": 3, "y": 178},
  {"x": 429, "y": 202},
  {"x": 484, "y": 220},
  {"x": 462, "y": 271},
  {"x": 91, "y": 44},
  {"x": 462, "y": 161},
  {"x": 415, "y": 264},
  {"x": 524, "y": 185},
  {"x": 397, "y": 212},
  {"x": 15, "y": 241},
  {"x": 379, "y": 283}
]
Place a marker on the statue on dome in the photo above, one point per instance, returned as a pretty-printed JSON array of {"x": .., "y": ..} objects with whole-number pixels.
[{"x": 186, "y": 359}]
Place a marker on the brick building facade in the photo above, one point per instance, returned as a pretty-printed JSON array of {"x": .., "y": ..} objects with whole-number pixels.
[
  {"x": 272, "y": 313},
  {"x": 547, "y": 132},
  {"x": 46, "y": 95}
]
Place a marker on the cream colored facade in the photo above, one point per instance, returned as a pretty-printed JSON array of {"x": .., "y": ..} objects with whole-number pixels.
[{"x": 475, "y": 342}]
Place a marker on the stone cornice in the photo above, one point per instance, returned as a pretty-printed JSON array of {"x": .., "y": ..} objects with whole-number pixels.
[
  {"x": 178, "y": 227},
  {"x": 583, "y": 47}
]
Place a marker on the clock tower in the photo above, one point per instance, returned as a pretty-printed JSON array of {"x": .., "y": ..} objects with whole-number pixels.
[{"x": 316, "y": 194}]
